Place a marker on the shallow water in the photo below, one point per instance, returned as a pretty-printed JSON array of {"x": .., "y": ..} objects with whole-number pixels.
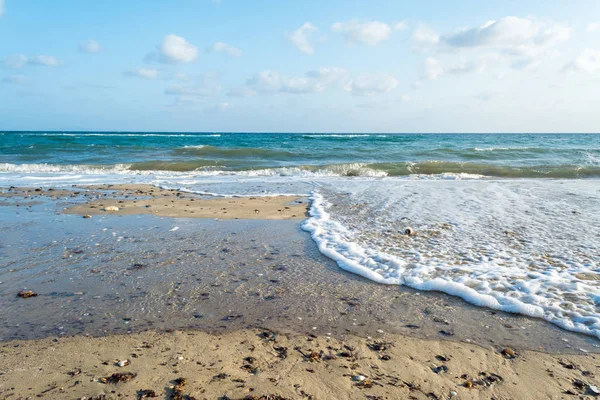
[{"x": 117, "y": 274}]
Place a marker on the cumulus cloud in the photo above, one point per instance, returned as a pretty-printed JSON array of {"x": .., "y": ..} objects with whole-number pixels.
[
  {"x": 364, "y": 33},
  {"x": 174, "y": 50},
  {"x": 90, "y": 46},
  {"x": 223, "y": 106},
  {"x": 514, "y": 42},
  {"x": 301, "y": 38},
  {"x": 1, "y": 8},
  {"x": 371, "y": 84},
  {"x": 14, "y": 79},
  {"x": 145, "y": 73},
  {"x": 48, "y": 61},
  {"x": 593, "y": 27},
  {"x": 400, "y": 26},
  {"x": 424, "y": 36},
  {"x": 15, "y": 61},
  {"x": 433, "y": 68},
  {"x": 313, "y": 81},
  {"x": 588, "y": 61},
  {"x": 222, "y": 47},
  {"x": 19, "y": 60},
  {"x": 514, "y": 33}
]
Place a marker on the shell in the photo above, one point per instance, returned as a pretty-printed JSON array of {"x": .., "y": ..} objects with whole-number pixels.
[
  {"x": 111, "y": 208},
  {"x": 410, "y": 231}
]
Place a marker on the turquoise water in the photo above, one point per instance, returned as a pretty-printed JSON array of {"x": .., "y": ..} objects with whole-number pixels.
[
  {"x": 492, "y": 228},
  {"x": 496, "y": 155}
]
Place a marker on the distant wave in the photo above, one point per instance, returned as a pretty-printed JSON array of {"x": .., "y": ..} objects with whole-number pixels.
[
  {"x": 342, "y": 136},
  {"x": 85, "y": 134},
  {"x": 234, "y": 152},
  {"x": 417, "y": 170}
]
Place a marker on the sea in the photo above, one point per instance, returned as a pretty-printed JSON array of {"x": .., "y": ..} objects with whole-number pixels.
[{"x": 509, "y": 222}]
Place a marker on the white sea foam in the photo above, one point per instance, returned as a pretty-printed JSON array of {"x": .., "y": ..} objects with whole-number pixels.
[
  {"x": 351, "y": 169},
  {"x": 528, "y": 247},
  {"x": 342, "y": 136},
  {"x": 74, "y": 134}
]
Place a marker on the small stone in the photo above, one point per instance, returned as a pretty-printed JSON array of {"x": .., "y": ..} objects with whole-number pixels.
[
  {"x": 509, "y": 353},
  {"x": 87, "y": 216},
  {"x": 359, "y": 378},
  {"x": 25, "y": 294},
  {"x": 122, "y": 363},
  {"x": 453, "y": 394},
  {"x": 111, "y": 208},
  {"x": 410, "y": 231}
]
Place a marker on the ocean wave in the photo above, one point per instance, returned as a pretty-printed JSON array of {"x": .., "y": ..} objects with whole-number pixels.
[
  {"x": 414, "y": 170},
  {"x": 58, "y": 168},
  {"x": 456, "y": 254},
  {"x": 343, "y": 136},
  {"x": 234, "y": 152},
  {"x": 109, "y": 134}
]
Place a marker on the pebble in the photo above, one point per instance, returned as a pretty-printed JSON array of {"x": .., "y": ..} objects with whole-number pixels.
[
  {"x": 453, "y": 394},
  {"x": 123, "y": 363},
  {"x": 359, "y": 378},
  {"x": 379, "y": 330},
  {"x": 111, "y": 208}
]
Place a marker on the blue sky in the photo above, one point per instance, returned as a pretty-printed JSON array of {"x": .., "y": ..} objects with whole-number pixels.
[{"x": 310, "y": 66}]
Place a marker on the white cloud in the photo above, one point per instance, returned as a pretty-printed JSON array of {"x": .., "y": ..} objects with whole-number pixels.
[
  {"x": 48, "y": 61},
  {"x": 588, "y": 61},
  {"x": 1, "y": 8},
  {"x": 313, "y": 81},
  {"x": 367, "y": 33},
  {"x": 225, "y": 48},
  {"x": 424, "y": 36},
  {"x": 15, "y": 61},
  {"x": 14, "y": 79},
  {"x": 300, "y": 38},
  {"x": 400, "y": 26},
  {"x": 223, "y": 107},
  {"x": 90, "y": 46},
  {"x": 371, "y": 84},
  {"x": 145, "y": 73},
  {"x": 273, "y": 82},
  {"x": 193, "y": 92},
  {"x": 433, "y": 69},
  {"x": 518, "y": 35},
  {"x": 593, "y": 27},
  {"x": 518, "y": 43},
  {"x": 174, "y": 50}
]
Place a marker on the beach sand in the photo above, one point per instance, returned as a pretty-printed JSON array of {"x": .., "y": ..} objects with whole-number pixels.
[
  {"x": 262, "y": 287},
  {"x": 254, "y": 363},
  {"x": 135, "y": 199}
]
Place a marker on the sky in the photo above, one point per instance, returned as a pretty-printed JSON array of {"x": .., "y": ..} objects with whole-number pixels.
[{"x": 300, "y": 66}]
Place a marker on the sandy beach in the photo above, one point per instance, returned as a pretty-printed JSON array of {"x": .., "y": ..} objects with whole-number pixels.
[
  {"x": 262, "y": 329},
  {"x": 263, "y": 364}
]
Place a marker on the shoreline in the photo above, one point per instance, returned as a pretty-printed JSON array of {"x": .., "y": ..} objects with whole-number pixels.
[{"x": 208, "y": 291}]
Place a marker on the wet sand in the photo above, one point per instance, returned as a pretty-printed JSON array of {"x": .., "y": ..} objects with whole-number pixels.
[
  {"x": 223, "y": 282},
  {"x": 146, "y": 199}
]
